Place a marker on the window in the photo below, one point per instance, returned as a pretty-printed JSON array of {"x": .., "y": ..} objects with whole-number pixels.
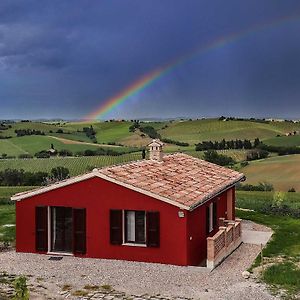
[
  {"x": 135, "y": 227},
  {"x": 211, "y": 217}
]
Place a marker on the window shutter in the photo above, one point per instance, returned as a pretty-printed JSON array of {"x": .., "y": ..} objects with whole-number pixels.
[
  {"x": 41, "y": 222},
  {"x": 215, "y": 215},
  {"x": 153, "y": 232},
  {"x": 207, "y": 220},
  {"x": 116, "y": 237},
  {"x": 79, "y": 230}
]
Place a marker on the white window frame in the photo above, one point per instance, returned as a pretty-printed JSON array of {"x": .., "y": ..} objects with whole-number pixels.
[{"x": 124, "y": 229}]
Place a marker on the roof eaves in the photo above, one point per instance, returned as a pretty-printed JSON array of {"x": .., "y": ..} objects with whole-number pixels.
[
  {"x": 54, "y": 186},
  {"x": 215, "y": 194}
]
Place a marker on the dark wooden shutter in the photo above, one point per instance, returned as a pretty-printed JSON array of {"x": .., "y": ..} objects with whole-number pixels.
[
  {"x": 116, "y": 227},
  {"x": 79, "y": 230},
  {"x": 207, "y": 220},
  {"x": 153, "y": 232},
  {"x": 140, "y": 227},
  {"x": 41, "y": 233},
  {"x": 215, "y": 215}
]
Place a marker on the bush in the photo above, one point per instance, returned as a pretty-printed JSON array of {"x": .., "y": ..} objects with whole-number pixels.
[
  {"x": 169, "y": 141},
  {"x": 257, "y": 154},
  {"x": 291, "y": 190},
  {"x": 244, "y": 164},
  {"x": 60, "y": 173},
  {"x": 219, "y": 159},
  {"x": 21, "y": 290},
  {"x": 65, "y": 152},
  {"x": 261, "y": 187},
  {"x": 25, "y": 156},
  {"x": 42, "y": 154}
]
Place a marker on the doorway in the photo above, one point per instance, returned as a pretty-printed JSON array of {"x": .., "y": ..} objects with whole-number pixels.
[{"x": 61, "y": 229}]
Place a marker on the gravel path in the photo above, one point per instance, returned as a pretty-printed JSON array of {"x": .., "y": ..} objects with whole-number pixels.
[{"x": 48, "y": 277}]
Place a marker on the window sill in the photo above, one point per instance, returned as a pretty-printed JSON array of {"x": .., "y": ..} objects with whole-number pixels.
[
  {"x": 134, "y": 245},
  {"x": 60, "y": 253}
]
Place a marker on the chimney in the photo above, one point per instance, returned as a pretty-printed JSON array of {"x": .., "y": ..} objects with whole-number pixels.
[{"x": 156, "y": 151}]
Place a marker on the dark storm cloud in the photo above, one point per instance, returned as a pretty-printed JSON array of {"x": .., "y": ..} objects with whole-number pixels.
[{"x": 75, "y": 54}]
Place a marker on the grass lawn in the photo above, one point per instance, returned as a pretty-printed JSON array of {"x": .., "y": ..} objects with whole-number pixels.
[
  {"x": 282, "y": 171},
  {"x": 285, "y": 244}
]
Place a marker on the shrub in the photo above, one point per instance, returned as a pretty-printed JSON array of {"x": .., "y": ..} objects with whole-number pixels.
[
  {"x": 21, "y": 290},
  {"x": 42, "y": 154},
  {"x": 60, "y": 173},
  {"x": 25, "y": 156},
  {"x": 261, "y": 187},
  {"x": 219, "y": 159},
  {"x": 65, "y": 152}
]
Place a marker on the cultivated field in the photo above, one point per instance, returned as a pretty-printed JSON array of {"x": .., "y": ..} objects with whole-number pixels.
[
  {"x": 76, "y": 165},
  {"x": 282, "y": 171}
]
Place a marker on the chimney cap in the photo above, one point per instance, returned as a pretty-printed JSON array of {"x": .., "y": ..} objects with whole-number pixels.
[{"x": 156, "y": 143}]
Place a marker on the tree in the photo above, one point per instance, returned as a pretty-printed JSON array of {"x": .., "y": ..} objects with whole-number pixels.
[
  {"x": 60, "y": 173},
  {"x": 219, "y": 159}
]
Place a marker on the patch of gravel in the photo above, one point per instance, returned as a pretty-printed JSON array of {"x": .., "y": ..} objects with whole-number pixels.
[
  {"x": 249, "y": 225},
  {"x": 133, "y": 278}
]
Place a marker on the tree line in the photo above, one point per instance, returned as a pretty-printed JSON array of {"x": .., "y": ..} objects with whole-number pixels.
[
  {"x": 23, "y": 132},
  {"x": 14, "y": 177},
  {"x": 230, "y": 144}
]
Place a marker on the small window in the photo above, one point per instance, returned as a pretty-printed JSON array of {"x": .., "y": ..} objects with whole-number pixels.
[{"x": 135, "y": 227}]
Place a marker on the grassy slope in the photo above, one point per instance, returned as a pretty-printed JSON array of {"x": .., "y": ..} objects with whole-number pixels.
[
  {"x": 282, "y": 171},
  {"x": 7, "y": 191},
  {"x": 35, "y": 143},
  {"x": 286, "y": 141},
  {"x": 212, "y": 129},
  {"x": 285, "y": 243}
]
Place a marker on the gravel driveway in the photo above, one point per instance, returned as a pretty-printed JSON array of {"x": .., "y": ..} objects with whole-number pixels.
[{"x": 134, "y": 278}]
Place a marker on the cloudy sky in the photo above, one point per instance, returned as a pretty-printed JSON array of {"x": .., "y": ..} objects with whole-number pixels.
[{"x": 63, "y": 59}]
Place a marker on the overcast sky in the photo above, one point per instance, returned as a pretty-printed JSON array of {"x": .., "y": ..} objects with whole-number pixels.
[{"x": 62, "y": 59}]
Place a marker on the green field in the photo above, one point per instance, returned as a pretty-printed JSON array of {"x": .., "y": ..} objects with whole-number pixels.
[
  {"x": 76, "y": 165},
  {"x": 33, "y": 144},
  {"x": 258, "y": 200},
  {"x": 7, "y": 191},
  {"x": 213, "y": 129},
  {"x": 284, "y": 141},
  {"x": 118, "y": 132},
  {"x": 282, "y": 171},
  {"x": 281, "y": 253}
]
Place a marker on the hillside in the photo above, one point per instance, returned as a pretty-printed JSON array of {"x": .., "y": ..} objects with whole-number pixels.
[
  {"x": 282, "y": 171},
  {"x": 117, "y": 132}
]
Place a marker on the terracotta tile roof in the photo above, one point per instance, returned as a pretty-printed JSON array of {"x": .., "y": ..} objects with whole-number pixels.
[{"x": 179, "y": 177}]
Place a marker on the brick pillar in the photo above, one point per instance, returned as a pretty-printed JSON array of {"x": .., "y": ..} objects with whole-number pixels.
[{"x": 230, "y": 205}]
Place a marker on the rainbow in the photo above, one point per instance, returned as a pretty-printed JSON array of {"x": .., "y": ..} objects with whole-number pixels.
[{"x": 148, "y": 79}]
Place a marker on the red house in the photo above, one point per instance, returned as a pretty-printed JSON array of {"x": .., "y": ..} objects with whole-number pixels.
[{"x": 166, "y": 209}]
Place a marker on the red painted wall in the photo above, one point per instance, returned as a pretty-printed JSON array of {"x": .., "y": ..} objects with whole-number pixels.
[
  {"x": 98, "y": 197},
  {"x": 196, "y": 229}
]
